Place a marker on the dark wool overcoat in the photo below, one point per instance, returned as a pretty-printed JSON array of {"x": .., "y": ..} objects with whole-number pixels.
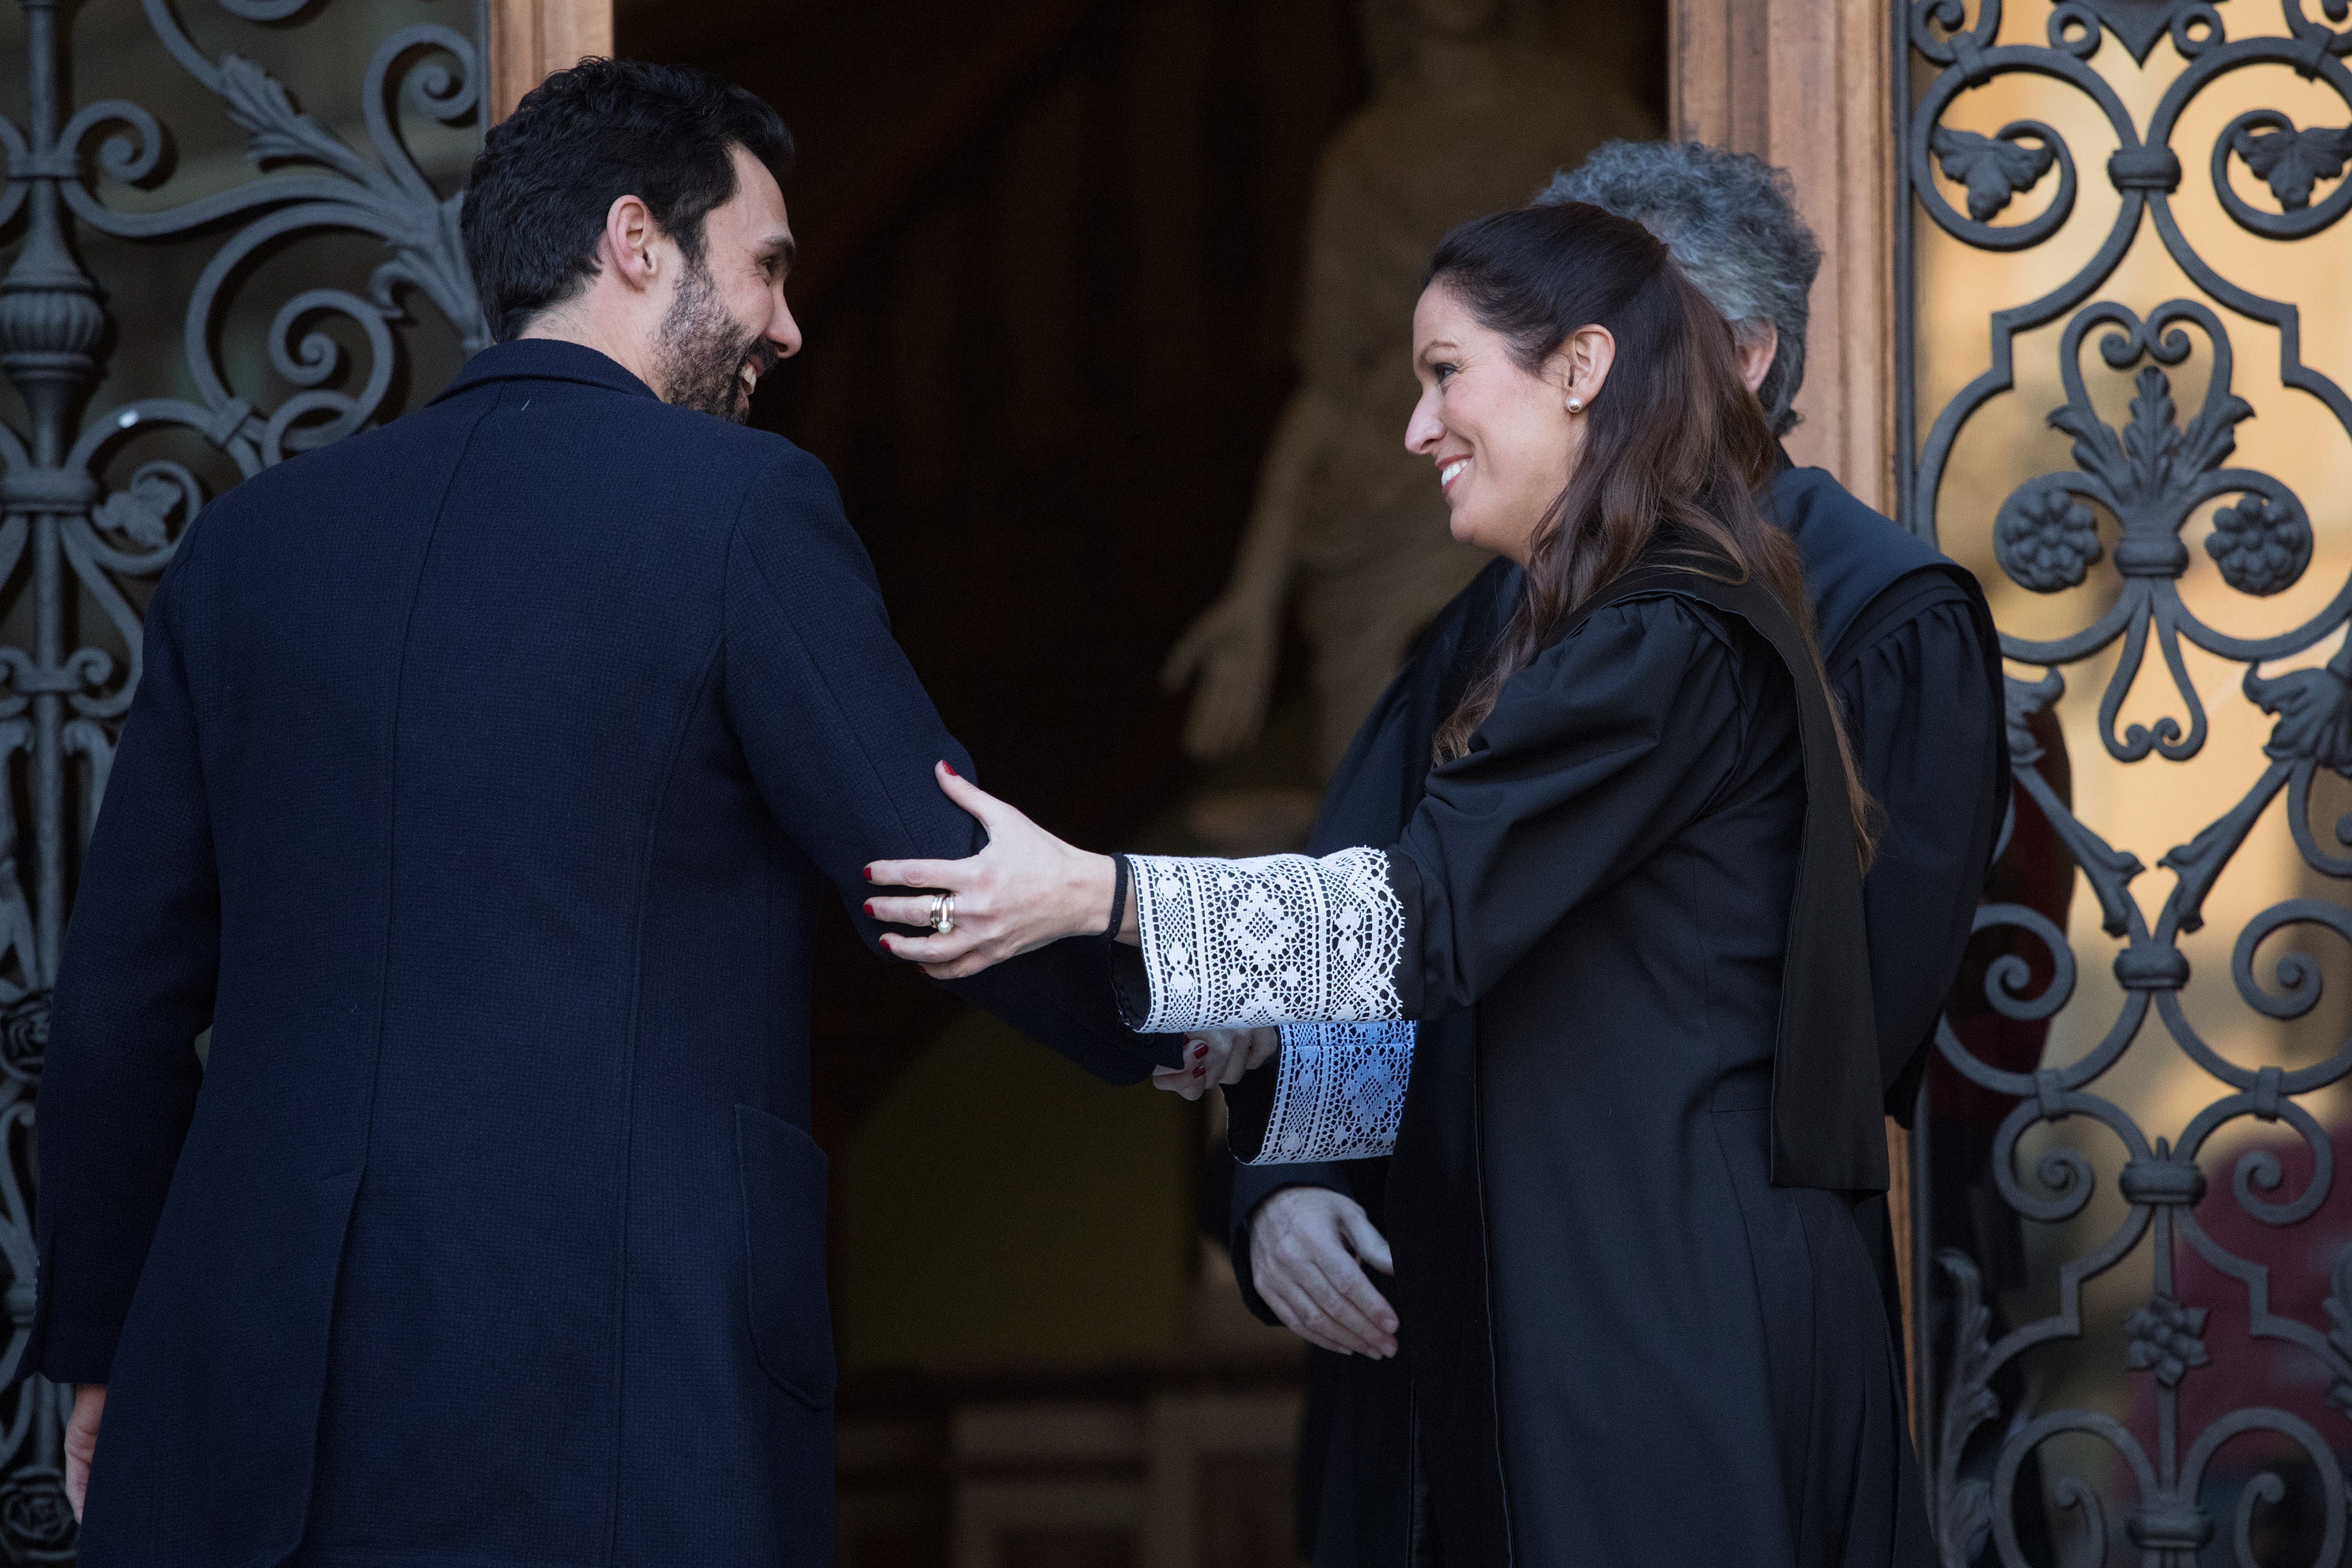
[{"x": 485, "y": 783}]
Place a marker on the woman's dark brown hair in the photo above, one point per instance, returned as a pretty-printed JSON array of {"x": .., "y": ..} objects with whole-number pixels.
[{"x": 1675, "y": 447}]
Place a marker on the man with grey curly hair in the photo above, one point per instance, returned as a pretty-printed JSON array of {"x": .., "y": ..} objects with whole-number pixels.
[
  {"x": 1729, "y": 220},
  {"x": 1910, "y": 649}
]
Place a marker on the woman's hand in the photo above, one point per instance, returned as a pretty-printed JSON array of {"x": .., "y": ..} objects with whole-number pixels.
[
  {"x": 1027, "y": 889},
  {"x": 1217, "y": 1056}
]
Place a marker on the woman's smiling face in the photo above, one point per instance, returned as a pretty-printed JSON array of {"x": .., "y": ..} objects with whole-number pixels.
[{"x": 1501, "y": 437}]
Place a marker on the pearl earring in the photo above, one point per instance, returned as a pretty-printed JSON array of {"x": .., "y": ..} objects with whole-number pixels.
[{"x": 1576, "y": 405}]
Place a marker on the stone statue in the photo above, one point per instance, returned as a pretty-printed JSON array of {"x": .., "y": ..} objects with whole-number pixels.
[{"x": 1472, "y": 109}]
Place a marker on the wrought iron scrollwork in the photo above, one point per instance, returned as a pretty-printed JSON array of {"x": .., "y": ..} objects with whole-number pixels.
[
  {"x": 2152, "y": 474},
  {"x": 70, "y": 544}
]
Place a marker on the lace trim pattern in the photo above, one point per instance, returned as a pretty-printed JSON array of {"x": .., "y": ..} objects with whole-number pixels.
[
  {"x": 1238, "y": 944},
  {"x": 1338, "y": 1092}
]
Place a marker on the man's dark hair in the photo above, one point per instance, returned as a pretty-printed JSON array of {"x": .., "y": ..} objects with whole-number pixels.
[{"x": 581, "y": 140}]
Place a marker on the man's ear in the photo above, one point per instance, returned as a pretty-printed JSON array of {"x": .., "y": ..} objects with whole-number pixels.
[
  {"x": 630, "y": 244},
  {"x": 1758, "y": 342}
]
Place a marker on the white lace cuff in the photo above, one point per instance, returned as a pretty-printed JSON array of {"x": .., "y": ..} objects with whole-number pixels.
[
  {"x": 1238, "y": 944},
  {"x": 1339, "y": 1092}
]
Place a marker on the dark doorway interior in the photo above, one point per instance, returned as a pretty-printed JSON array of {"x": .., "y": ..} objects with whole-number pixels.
[{"x": 1051, "y": 256}]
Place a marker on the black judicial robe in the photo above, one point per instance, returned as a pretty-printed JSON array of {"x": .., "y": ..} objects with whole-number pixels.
[
  {"x": 1627, "y": 1343},
  {"x": 1912, "y": 657}
]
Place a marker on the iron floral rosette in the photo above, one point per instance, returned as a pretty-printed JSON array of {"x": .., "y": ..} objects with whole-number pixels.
[
  {"x": 37, "y": 1523},
  {"x": 25, "y": 1036}
]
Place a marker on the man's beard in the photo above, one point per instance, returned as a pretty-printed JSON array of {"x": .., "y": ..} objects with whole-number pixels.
[{"x": 703, "y": 350}]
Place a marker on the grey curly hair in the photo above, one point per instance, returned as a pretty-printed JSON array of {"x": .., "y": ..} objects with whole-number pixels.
[{"x": 1729, "y": 220}]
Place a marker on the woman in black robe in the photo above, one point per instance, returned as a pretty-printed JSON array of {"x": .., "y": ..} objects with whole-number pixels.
[{"x": 1625, "y": 924}]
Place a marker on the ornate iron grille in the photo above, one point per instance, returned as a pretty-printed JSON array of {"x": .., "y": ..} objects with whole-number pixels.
[
  {"x": 92, "y": 507},
  {"x": 2070, "y": 1381}
]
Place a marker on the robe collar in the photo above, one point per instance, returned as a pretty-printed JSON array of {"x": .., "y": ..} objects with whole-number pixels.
[{"x": 1850, "y": 554}]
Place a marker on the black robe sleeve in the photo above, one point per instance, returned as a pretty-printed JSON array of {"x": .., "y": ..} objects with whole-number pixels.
[
  {"x": 1372, "y": 795},
  {"x": 1603, "y": 748},
  {"x": 1926, "y": 726},
  {"x": 1596, "y": 753}
]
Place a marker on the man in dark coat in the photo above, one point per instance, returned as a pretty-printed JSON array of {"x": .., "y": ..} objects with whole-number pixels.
[
  {"x": 1910, "y": 650},
  {"x": 487, "y": 779}
]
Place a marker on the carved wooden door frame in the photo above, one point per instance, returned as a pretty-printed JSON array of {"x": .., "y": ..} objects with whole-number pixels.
[
  {"x": 1804, "y": 84},
  {"x": 528, "y": 38}
]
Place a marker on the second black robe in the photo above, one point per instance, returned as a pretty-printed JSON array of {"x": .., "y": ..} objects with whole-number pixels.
[
  {"x": 1626, "y": 1343},
  {"x": 1912, "y": 656}
]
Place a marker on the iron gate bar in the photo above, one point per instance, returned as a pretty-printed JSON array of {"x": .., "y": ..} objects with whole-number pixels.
[
  {"x": 61, "y": 704},
  {"x": 2151, "y": 474}
]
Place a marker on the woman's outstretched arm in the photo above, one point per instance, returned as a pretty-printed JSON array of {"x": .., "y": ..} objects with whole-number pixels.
[{"x": 1596, "y": 753}]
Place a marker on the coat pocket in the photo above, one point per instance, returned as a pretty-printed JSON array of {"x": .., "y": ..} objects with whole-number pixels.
[{"x": 783, "y": 1175}]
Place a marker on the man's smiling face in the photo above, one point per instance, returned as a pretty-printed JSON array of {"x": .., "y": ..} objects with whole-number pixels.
[{"x": 728, "y": 323}]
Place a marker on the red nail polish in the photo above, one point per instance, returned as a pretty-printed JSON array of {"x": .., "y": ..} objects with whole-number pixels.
[
  {"x": 1199, "y": 1073},
  {"x": 869, "y": 906},
  {"x": 869, "y": 874},
  {"x": 950, "y": 767}
]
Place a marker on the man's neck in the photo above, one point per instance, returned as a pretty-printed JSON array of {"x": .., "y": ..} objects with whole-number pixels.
[{"x": 622, "y": 350}]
